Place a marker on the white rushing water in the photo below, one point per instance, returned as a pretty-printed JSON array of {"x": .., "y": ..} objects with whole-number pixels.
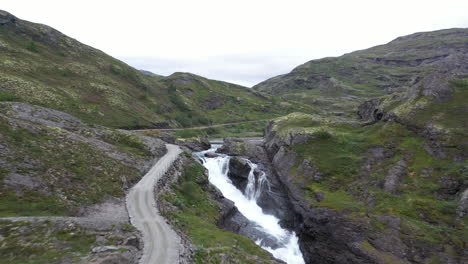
[{"x": 218, "y": 168}]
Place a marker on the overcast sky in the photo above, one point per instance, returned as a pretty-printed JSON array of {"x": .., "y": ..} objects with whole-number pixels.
[{"x": 241, "y": 41}]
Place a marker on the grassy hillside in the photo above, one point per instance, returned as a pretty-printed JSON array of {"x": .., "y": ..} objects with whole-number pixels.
[
  {"x": 41, "y": 66},
  {"x": 388, "y": 141},
  {"x": 417, "y": 61},
  {"x": 202, "y": 101},
  {"x": 52, "y": 164}
]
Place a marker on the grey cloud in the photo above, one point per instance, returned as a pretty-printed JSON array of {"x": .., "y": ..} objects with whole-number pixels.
[{"x": 245, "y": 70}]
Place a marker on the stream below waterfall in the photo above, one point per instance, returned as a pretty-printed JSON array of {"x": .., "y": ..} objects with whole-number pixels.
[{"x": 287, "y": 247}]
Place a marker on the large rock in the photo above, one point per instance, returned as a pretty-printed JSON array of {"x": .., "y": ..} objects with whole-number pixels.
[
  {"x": 462, "y": 209},
  {"x": 197, "y": 144},
  {"x": 239, "y": 170},
  {"x": 273, "y": 198},
  {"x": 6, "y": 18},
  {"x": 232, "y": 220},
  {"x": 370, "y": 111},
  {"x": 394, "y": 176}
]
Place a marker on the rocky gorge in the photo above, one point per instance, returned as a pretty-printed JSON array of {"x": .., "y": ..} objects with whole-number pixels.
[{"x": 363, "y": 159}]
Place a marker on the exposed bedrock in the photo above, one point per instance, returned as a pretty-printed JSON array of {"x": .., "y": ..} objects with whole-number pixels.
[
  {"x": 239, "y": 170},
  {"x": 331, "y": 236},
  {"x": 273, "y": 199}
]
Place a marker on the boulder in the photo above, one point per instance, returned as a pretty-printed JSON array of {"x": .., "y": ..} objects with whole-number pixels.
[
  {"x": 198, "y": 144},
  {"x": 239, "y": 170},
  {"x": 211, "y": 155},
  {"x": 104, "y": 249},
  {"x": 462, "y": 209},
  {"x": 394, "y": 176}
]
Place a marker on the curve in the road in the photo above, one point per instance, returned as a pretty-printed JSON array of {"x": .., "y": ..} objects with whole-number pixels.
[{"x": 161, "y": 243}]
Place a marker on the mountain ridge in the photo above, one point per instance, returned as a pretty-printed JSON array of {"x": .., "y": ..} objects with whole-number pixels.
[{"x": 41, "y": 66}]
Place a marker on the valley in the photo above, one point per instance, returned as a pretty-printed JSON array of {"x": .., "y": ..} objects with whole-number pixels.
[{"x": 361, "y": 158}]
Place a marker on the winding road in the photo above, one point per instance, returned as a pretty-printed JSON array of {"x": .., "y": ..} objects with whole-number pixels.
[{"x": 161, "y": 243}]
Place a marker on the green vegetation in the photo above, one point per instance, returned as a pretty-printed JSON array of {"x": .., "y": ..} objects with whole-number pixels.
[
  {"x": 31, "y": 204},
  {"x": 340, "y": 84},
  {"x": 247, "y": 129},
  {"x": 63, "y": 168},
  {"x": 336, "y": 199},
  {"x": 32, "y": 46},
  {"x": 66, "y": 75},
  {"x": 196, "y": 216},
  {"x": 126, "y": 142},
  {"x": 43, "y": 242},
  {"x": 339, "y": 150},
  {"x": 7, "y": 97}
]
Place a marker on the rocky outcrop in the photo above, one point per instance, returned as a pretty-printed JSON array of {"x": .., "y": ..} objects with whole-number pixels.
[
  {"x": 333, "y": 236},
  {"x": 395, "y": 176},
  {"x": 274, "y": 198},
  {"x": 195, "y": 144},
  {"x": 462, "y": 209},
  {"x": 370, "y": 111},
  {"x": 6, "y": 18},
  {"x": 229, "y": 217},
  {"x": 239, "y": 170}
]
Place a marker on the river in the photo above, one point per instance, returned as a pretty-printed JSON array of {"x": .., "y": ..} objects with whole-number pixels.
[{"x": 287, "y": 248}]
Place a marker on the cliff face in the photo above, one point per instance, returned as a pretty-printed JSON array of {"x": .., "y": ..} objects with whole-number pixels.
[
  {"x": 379, "y": 173},
  {"x": 212, "y": 228},
  {"x": 380, "y": 193}
]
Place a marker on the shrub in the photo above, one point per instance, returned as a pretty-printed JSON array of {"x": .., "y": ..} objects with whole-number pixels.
[
  {"x": 32, "y": 46},
  {"x": 322, "y": 134},
  {"x": 7, "y": 97}
]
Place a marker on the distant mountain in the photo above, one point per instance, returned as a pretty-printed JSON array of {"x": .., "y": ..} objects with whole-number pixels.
[
  {"x": 150, "y": 73},
  {"x": 41, "y": 66},
  {"x": 424, "y": 61}
]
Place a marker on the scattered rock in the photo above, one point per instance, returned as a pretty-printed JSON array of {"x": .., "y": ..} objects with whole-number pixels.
[
  {"x": 462, "y": 208},
  {"x": 449, "y": 186},
  {"x": 104, "y": 249},
  {"x": 133, "y": 241},
  {"x": 394, "y": 176},
  {"x": 198, "y": 144},
  {"x": 211, "y": 155}
]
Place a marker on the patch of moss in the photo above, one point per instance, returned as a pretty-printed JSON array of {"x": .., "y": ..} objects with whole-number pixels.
[
  {"x": 336, "y": 199},
  {"x": 126, "y": 142},
  {"x": 8, "y": 97},
  {"x": 24, "y": 242},
  {"x": 335, "y": 152}
]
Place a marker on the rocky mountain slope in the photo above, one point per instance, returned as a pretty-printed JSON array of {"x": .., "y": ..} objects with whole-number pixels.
[
  {"x": 417, "y": 63},
  {"x": 379, "y": 174},
  {"x": 52, "y": 164},
  {"x": 63, "y": 175},
  {"x": 41, "y": 66},
  {"x": 372, "y": 168}
]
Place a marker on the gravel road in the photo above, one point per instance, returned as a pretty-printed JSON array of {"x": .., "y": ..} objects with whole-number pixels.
[{"x": 161, "y": 243}]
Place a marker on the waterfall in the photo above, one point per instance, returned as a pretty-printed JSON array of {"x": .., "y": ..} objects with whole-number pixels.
[
  {"x": 255, "y": 185},
  {"x": 287, "y": 241}
]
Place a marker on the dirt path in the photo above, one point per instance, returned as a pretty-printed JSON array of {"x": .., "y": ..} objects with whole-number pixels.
[{"x": 161, "y": 243}]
